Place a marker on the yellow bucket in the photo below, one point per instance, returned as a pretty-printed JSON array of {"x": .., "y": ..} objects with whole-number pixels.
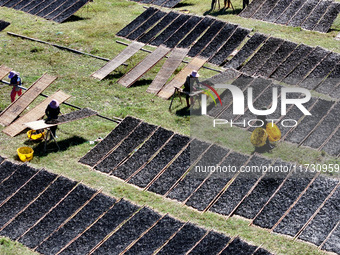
[
  {"x": 25, "y": 153},
  {"x": 274, "y": 133},
  {"x": 31, "y": 134},
  {"x": 258, "y": 137}
]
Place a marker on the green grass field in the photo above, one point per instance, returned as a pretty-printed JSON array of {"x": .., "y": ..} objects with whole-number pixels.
[{"x": 93, "y": 31}]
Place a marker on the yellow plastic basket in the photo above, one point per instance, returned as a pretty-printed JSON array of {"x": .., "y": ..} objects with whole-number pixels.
[
  {"x": 274, "y": 133},
  {"x": 31, "y": 134},
  {"x": 258, "y": 137},
  {"x": 25, "y": 153}
]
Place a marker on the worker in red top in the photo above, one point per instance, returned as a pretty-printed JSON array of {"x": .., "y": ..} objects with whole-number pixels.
[{"x": 16, "y": 83}]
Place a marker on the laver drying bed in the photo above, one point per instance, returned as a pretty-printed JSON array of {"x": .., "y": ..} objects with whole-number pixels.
[
  {"x": 58, "y": 10},
  {"x": 165, "y": 163},
  {"x": 316, "y": 15},
  {"x": 52, "y": 214}
]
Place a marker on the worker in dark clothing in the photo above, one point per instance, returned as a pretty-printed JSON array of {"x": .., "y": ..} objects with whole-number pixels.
[
  {"x": 262, "y": 119},
  {"x": 52, "y": 111},
  {"x": 245, "y": 3},
  {"x": 189, "y": 86},
  {"x": 213, "y": 3},
  {"x": 227, "y": 4},
  {"x": 16, "y": 83}
]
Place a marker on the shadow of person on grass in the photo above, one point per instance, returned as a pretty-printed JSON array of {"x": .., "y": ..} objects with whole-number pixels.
[
  {"x": 181, "y": 5},
  {"x": 52, "y": 147},
  {"x": 74, "y": 18},
  {"x": 116, "y": 75},
  {"x": 142, "y": 82},
  {"x": 222, "y": 11},
  {"x": 188, "y": 111},
  {"x": 261, "y": 150},
  {"x": 185, "y": 111}
]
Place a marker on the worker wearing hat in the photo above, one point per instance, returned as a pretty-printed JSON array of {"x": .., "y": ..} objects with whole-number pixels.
[
  {"x": 15, "y": 82},
  {"x": 52, "y": 111},
  {"x": 189, "y": 85}
]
